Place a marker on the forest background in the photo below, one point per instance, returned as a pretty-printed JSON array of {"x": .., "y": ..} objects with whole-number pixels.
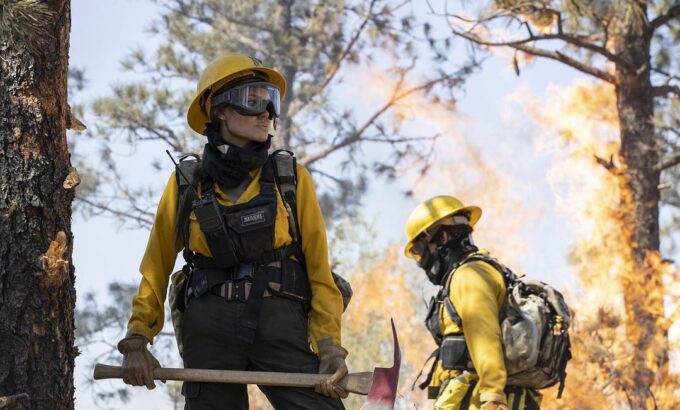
[{"x": 413, "y": 111}]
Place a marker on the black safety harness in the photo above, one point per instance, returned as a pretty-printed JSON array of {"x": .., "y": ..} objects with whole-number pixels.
[{"x": 244, "y": 265}]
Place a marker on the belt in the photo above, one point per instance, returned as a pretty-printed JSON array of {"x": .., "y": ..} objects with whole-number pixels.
[{"x": 238, "y": 290}]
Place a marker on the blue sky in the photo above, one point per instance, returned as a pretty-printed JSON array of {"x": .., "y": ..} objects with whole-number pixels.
[{"x": 104, "y": 31}]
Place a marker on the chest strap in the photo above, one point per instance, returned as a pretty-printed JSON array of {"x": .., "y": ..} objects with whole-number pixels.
[{"x": 267, "y": 257}]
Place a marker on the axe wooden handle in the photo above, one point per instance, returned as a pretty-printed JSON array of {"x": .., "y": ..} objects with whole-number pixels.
[{"x": 359, "y": 383}]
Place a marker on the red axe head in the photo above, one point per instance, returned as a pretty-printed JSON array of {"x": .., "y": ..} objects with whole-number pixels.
[{"x": 384, "y": 388}]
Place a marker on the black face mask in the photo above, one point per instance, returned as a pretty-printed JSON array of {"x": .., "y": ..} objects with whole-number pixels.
[
  {"x": 232, "y": 167},
  {"x": 445, "y": 257}
]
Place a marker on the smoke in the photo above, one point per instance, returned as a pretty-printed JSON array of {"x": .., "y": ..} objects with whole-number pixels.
[{"x": 473, "y": 168}]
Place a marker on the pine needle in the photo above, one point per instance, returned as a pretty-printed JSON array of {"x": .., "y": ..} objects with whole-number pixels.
[{"x": 25, "y": 23}]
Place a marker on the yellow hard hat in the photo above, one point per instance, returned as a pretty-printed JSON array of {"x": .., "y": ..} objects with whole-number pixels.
[
  {"x": 223, "y": 70},
  {"x": 432, "y": 211}
]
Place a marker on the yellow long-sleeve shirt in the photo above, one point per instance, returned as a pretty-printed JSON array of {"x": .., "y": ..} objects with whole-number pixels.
[
  {"x": 161, "y": 252},
  {"x": 477, "y": 292}
]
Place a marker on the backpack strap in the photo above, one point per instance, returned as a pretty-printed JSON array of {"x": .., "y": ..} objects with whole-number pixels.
[
  {"x": 285, "y": 172},
  {"x": 509, "y": 278},
  {"x": 187, "y": 176},
  {"x": 448, "y": 305},
  {"x": 186, "y": 173}
]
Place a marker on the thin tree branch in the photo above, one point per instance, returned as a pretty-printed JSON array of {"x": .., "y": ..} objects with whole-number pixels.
[
  {"x": 608, "y": 164},
  {"x": 402, "y": 140},
  {"x": 357, "y": 136},
  {"x": 664, "y": 90},
  {"x": 553, "y": 55},
  {"x": 668, "y": 162},
  {"x": 234, "y": 34},
  {"x": 170, "y": 139},
  {"x": 203, "y": 18},
  {"x": 665, "y": 73},
  {"x": 572, "y": 62},
  {"x": 336, "y": 65},
  {"x": 662, "y": 19},
  {"x": 333, "y": 178},
  {"x": 144, "y": 222},
  {"x": 578, "y": 41}
]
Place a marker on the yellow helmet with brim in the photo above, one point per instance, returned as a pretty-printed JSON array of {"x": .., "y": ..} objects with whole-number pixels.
[
  {"x": 229, "y": 68},
  {"x": 430, "y": 212}
]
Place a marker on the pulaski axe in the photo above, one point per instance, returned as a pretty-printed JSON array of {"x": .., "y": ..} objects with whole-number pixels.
[{"x": 380, "y": 384}]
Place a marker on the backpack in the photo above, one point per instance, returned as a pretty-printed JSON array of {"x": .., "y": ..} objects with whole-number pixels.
[
  {"x": 534, "y": 322},
  {"x": 285, "y": 174}
]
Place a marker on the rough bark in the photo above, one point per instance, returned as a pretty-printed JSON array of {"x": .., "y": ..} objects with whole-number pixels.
[
  {"x": 643, "y": 286},
  {"x": 37, "y": 294}
]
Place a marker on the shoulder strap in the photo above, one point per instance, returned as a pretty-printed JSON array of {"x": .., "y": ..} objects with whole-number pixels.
[
  {"x": 508, "y": 275},
  {"x": 186, "y": 175},
  {"x": 450, "y": 309},
  {"x": 511, "y": 280},
  {"x": 186, "y": 172},
  {"x": 285, "y": 173}
]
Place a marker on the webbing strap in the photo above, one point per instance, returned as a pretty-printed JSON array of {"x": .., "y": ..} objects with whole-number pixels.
[
  {"x": 507, "y": 274},
  {"x": 275, "y": 255},
  {"x": 247, "y": 326},
  {"x": 430, "y": 372},
  {"x": 286, "y": 180},
  {"x": 465, "y": 404},
  {"x": 185, "y": 177},
  {"x": 450, "y": 309},
  {"x": 563, "y": 369},
  {"x": 509, "y": 277}
]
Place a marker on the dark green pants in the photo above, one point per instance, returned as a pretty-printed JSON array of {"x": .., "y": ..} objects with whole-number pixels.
[{"x": 281, "y": 345}]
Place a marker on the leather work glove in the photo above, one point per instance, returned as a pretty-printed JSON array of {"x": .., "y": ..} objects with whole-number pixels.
[
  {"x": 138, "y": 362},
  {"x": 493, "y": 405},
  {"x": 331, "y": 361}
]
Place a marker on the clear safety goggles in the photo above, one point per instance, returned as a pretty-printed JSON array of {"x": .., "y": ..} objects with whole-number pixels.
[{"x": 251, "y": 99}]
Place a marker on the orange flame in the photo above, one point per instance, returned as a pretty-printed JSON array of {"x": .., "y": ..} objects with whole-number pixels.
[{"x": 610, "y": 340}]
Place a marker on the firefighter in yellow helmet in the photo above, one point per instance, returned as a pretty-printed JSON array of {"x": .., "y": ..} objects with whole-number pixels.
[
  {"x": 469, "y": 371},
  {"x": 259, "y": 295}
]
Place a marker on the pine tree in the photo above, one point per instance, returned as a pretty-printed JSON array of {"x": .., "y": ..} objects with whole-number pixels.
[{"x": 37, "y": 294}]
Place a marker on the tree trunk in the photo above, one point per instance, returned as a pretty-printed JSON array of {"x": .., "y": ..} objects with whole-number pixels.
[
  {"x": 643, "y": 285},
  {"x": 37, "y": 294}
]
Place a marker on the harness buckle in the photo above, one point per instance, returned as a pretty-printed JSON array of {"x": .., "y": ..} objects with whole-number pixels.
[
  {"x": 234, "y": 290},
  {"x": 244, "y": 271},
  {"x": 242, "y": 290}
]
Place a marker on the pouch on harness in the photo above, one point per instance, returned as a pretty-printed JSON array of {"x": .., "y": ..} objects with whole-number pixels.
[
  {"x": 290, "y": 277},
  {"x": 534, "y": 323}
]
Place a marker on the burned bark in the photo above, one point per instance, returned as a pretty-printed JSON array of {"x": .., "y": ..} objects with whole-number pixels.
[{"x": 37, "y": 294}]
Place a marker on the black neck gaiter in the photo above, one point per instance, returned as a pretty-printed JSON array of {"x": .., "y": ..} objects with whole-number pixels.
[
  {"x": 231, "y": 168},
  {"x": 446, "y": 256}
]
